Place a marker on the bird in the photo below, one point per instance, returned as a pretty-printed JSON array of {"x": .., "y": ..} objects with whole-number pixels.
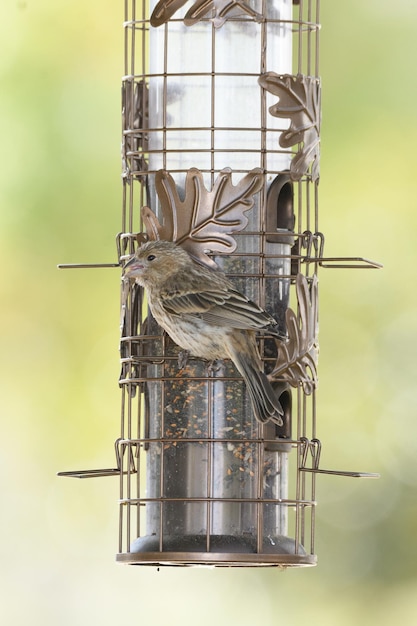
[{"x": 205, "y": 315}]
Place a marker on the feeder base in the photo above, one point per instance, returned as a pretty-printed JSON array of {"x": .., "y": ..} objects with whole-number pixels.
[{"x": 225, "y": 551}]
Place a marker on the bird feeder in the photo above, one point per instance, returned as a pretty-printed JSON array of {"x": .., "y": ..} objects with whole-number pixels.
[{"x": 221, "y": 155}]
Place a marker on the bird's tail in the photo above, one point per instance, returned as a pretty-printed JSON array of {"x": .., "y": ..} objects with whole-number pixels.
[{"x": 265, "y": 403}]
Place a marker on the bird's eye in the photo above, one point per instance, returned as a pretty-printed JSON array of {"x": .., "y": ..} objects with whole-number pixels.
[{"x": 151, "y": 257}]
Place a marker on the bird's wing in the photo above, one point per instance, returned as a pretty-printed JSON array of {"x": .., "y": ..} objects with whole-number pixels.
[{"x": 219, "y": 307}]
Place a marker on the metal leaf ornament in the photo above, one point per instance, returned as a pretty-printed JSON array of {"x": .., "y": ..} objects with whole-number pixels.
[
  {"x": 164, "y": 10},
  {"x": 299, "y": 100},
  {"x": 216, "y": 10},
  {"x": 135, "y": 117},
  {"x": 222, "y": 8},
  {"x": 298, "y": 357},
  {"x": 204, "y": 220}
]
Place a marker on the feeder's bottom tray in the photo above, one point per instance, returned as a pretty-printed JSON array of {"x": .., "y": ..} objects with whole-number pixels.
[{"x": 225, "y": 551}]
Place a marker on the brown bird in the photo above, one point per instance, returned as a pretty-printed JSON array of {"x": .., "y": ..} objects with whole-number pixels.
[{"x": 203, "y": 313}]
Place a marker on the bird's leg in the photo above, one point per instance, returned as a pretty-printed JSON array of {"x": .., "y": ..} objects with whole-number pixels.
[
  {"x": 214, "y": 366},
  {"x": 183, "y": 356}
]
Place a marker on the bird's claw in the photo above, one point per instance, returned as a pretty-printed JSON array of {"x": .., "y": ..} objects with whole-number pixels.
[
  {"x": 183, "y": 357},
  {"x": 214, "y": 366}
]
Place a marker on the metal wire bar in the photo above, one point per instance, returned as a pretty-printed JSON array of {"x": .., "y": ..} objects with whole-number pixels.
[{"x": 288, "y": 502}]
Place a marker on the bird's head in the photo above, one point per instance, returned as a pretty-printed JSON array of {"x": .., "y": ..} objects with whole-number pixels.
[{"x": 155, "y": 261}]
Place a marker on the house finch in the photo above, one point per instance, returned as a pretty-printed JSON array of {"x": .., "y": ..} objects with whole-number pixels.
[{"x": 204, "y": 314}]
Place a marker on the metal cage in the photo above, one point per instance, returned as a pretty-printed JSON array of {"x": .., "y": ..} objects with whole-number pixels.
[{"x": 221, "y": 139}]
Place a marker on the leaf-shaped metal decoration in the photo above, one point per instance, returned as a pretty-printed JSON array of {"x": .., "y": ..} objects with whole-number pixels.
[
  {"x": 164, "y": 10},
  {"x": 135, "y": 118},
  {"x": 298, "y": 357},
  {"x": 222, "y": 9},
  {"x": 204, "y": 220},
  {"x": 299, "y": 100},
  {"x": 216, "y": 10}
]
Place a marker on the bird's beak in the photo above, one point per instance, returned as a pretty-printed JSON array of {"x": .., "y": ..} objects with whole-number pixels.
[{"x": 133, "y": 266}]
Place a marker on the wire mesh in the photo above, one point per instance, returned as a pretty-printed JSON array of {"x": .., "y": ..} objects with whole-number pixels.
[
  {"x": 208, "y": 483},
  {"x": 221, "y": 100}
]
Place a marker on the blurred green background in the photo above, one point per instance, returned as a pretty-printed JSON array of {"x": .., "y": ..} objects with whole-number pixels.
[{"x": 60, "y": 199}]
